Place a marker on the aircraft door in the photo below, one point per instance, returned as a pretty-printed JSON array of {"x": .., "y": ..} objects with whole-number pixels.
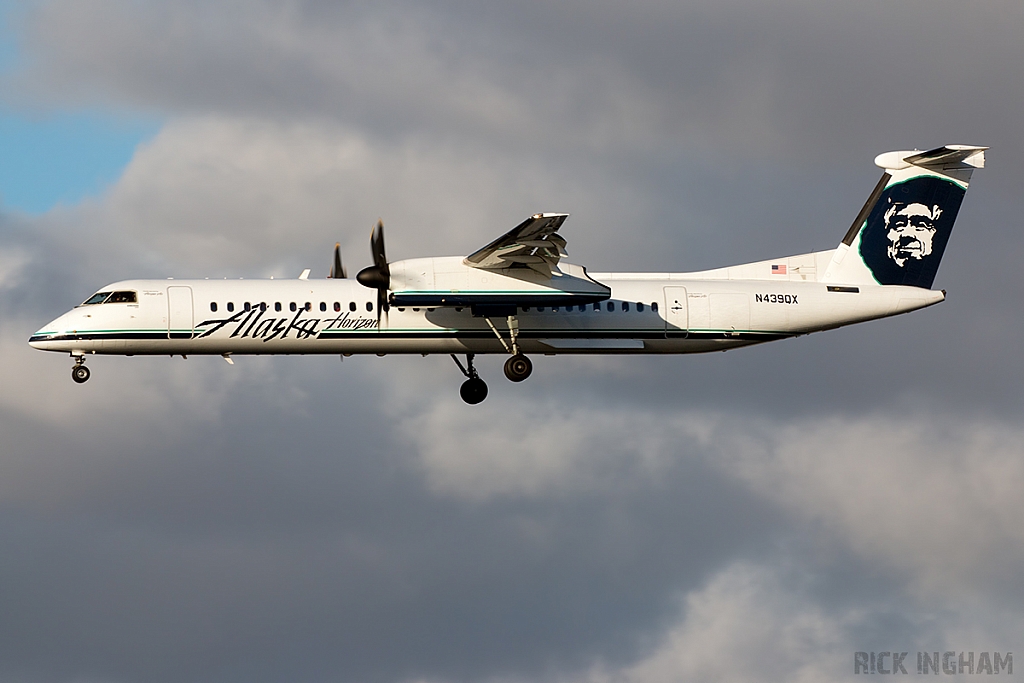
[
  {"x": 180, "y": 323},
  {"x": 676, "y": 323}
]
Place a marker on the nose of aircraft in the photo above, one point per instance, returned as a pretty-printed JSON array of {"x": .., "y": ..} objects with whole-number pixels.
[{"x": 46, "y": 333}]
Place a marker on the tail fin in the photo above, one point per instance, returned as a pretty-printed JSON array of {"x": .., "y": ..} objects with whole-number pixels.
[{"x": 900, "y": 234}]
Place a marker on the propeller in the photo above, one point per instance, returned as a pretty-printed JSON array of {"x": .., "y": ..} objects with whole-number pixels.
[
  {"x": 377, "y": 276},
  {"x": 338, "y": 268}
]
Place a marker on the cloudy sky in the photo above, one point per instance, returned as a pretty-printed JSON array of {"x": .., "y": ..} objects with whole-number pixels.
[{"x": 758, "y": 515}]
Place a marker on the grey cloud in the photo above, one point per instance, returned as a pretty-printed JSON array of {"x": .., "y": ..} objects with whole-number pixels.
[
  {"x": 302, "y": 537},
  {"x": 725, "y": 78},
  {"x": 226, "y": 193}
]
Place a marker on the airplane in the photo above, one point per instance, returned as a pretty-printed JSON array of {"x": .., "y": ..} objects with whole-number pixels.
[{"x": 516, "y": 296}]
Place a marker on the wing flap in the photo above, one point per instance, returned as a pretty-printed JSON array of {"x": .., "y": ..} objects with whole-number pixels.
[{"x": 534, "y": 243}]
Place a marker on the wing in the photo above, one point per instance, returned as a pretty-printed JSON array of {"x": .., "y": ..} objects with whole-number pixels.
[{"x": 534, "y": 243}]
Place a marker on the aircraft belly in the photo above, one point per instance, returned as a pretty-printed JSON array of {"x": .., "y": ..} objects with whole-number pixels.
[{"x": 532, "y": 341}]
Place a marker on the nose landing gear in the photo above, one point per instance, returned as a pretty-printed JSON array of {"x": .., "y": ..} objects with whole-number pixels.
[
  {"x": 474, "y": 389},
  {"x": 80, "y": 374}
]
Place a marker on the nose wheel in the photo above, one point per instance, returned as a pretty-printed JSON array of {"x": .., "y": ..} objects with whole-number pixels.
[
  {"x": 80, "y": 373},
  {"x": 474, "y": 389}
]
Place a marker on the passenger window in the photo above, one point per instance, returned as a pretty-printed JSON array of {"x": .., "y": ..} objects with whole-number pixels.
[
  {"x": 351, "y": 305},
  {"x": 263, "y": 307},
  {"x": 526, "y": 309},
  {"x": 291, "y": 307},
  {"x": 625, "y": 305},
  {"x": 231, "y": 306},
  {"x": 323, "y": 306},
  {"x": 597, "y": 307},
  {"x": 540, "y": 309},
  {"x": 248, "y": 306},
  {"x": 369, "y": 306},
  {"x": 654, "y": 305},
  {"x": 277, "y": 306},
  {"x": 611, "y": 306},
  {"x": 97, "y": 298},
  {"x": 308, "y": 306},
  {"x": 337, "y": 306},
  {"x": 213, "y": 306},
  {"x": 639, "y": 307},
  {"x": 122, "y": 298},
  {"x": 554, "y": 309}
]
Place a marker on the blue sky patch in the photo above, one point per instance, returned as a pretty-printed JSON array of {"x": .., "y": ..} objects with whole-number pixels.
[{"x": 60, "y": 158}]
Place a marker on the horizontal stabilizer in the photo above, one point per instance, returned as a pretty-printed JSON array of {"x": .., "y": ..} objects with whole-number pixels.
[{"x": 947, "y": 157}]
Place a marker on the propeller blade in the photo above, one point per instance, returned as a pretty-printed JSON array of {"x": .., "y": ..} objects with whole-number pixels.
[
  {"x": 377, "y": 248},
  {"x": 377, "y": 276},
  {"x": 338, "y": 269},
  {"x": 382, "y": 305}
]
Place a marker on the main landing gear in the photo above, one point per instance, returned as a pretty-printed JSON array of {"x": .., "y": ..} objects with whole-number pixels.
[
  {"x": 517, "y": 368},
  {"x": 80, "y": 373},
  {"x": 474, "y": 389}
]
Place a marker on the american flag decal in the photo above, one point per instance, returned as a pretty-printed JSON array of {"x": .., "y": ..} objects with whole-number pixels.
[{"x": 778, "y": 270}]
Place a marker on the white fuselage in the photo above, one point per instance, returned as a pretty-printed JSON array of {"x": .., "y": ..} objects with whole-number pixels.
[{"x": 646, "y": 313}]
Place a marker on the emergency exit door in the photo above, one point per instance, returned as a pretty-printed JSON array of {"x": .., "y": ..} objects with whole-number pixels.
[{"x": 675, "y": 312}]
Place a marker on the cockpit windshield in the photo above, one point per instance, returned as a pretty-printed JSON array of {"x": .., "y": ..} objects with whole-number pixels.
[
  {"x": 97, "y": 298},
  {"x": 111, "y": 298}
]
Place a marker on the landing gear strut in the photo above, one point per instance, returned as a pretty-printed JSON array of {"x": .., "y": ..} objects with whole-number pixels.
[
  {"x": 474, "y": 389},
  {"x": 80, "y": 373}
]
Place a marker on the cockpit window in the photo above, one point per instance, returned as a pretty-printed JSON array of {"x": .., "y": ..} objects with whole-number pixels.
[
  {"x": 97, "y": 298},
  {"x": 121, "y": 298},
  {"x": 112, "y": 298}
]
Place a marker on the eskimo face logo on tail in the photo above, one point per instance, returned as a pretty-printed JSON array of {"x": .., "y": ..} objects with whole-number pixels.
[
  {"x": 910, "y": 229},
  {"x": 907, "y": 230}
]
